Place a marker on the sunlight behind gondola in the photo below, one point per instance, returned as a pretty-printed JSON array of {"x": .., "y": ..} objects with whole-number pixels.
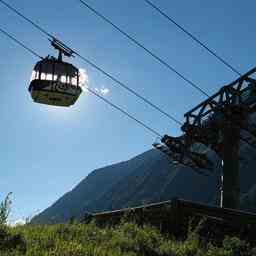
[{"x": 83, "y": 78}]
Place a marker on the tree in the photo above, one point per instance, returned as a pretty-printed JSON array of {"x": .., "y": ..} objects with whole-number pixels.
[{"x": 5, "y": 209}]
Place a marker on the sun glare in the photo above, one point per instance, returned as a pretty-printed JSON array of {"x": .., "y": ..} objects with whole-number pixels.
[{"x": 83, "y": 78}]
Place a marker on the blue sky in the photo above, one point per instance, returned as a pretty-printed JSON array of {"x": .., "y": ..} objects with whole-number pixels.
[{"x": 46, "y": 151}]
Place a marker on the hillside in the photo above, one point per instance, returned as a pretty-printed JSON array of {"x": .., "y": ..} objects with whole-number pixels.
[{"x": 146, "y": 178}]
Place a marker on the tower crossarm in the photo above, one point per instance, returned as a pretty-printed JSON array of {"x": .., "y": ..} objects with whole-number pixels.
[{"x": 241, "y": 91}]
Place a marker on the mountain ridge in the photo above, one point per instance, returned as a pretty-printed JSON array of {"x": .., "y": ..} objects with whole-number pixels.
[
  {"x": 142, "y": 179},
  {"x": 147, "y": 178}
]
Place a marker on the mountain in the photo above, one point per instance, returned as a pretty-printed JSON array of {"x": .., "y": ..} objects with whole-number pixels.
[
  {"x": 248, "y": 200},
  {"x": 146, "y": 178}
]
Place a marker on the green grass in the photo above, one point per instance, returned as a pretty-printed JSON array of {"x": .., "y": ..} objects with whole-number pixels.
[{"x": 126, "y": 239}]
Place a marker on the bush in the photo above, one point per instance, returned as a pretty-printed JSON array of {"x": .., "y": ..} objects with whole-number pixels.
[
  {"x": 11, "y": 241},
  {"x": 5, "y": 208},
  {"x": 127, "y": 239},
  {"x": 236, "y": 246}
]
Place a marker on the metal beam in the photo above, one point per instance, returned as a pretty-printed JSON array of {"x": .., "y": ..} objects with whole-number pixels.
[{"x": 226, "y": 95}]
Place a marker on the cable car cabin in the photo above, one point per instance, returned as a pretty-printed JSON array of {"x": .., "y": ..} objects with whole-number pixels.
[{"x": 55, "y": 82}]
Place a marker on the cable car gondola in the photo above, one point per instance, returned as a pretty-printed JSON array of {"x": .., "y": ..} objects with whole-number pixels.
[{"x": 55, "y": 82}]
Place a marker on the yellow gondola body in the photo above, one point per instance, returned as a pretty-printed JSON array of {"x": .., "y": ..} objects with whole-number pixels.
[{"x": 55, "y": 82}]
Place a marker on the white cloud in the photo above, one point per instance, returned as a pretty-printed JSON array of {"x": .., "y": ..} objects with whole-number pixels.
[
  {"x": 102, "y": 90},
  {"x": 84, "y": 82},
  {"x": 83, "y": 78}
]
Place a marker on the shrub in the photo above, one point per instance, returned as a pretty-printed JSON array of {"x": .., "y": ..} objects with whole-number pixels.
[
  {"x": 236, "y": 246},
  {"x": 11, "y": 241},
  {"x": 127, "y": 239},
  {"x": 5, "y": 208}
]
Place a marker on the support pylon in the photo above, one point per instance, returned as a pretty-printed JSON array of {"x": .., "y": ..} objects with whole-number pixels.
[{"x": 231, "y": 174}]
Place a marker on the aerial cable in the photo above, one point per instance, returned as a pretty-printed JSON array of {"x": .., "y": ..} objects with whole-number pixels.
[
  {"x": 94, "y": 92},
  {"x": 129, "y": 89},
  {"x": 28, "y": 20},
  {"x": 20, "y": 43},
  {"x": 142, "y": 46},
  {"x": 117, "y": 81},
  {"x": 88, "y": 89},
  {"x": 124, "y": 112},
  {"x": 212, "y": 52}
]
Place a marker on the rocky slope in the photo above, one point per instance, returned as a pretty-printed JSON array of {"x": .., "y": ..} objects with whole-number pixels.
[{"x": 146, "y": 178}]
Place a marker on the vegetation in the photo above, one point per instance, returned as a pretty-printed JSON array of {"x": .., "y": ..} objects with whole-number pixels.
[
  {"x": 129, "y": 239},
  {"x": 76, "y": 239},
  {"x": 5, "y": 209}
]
